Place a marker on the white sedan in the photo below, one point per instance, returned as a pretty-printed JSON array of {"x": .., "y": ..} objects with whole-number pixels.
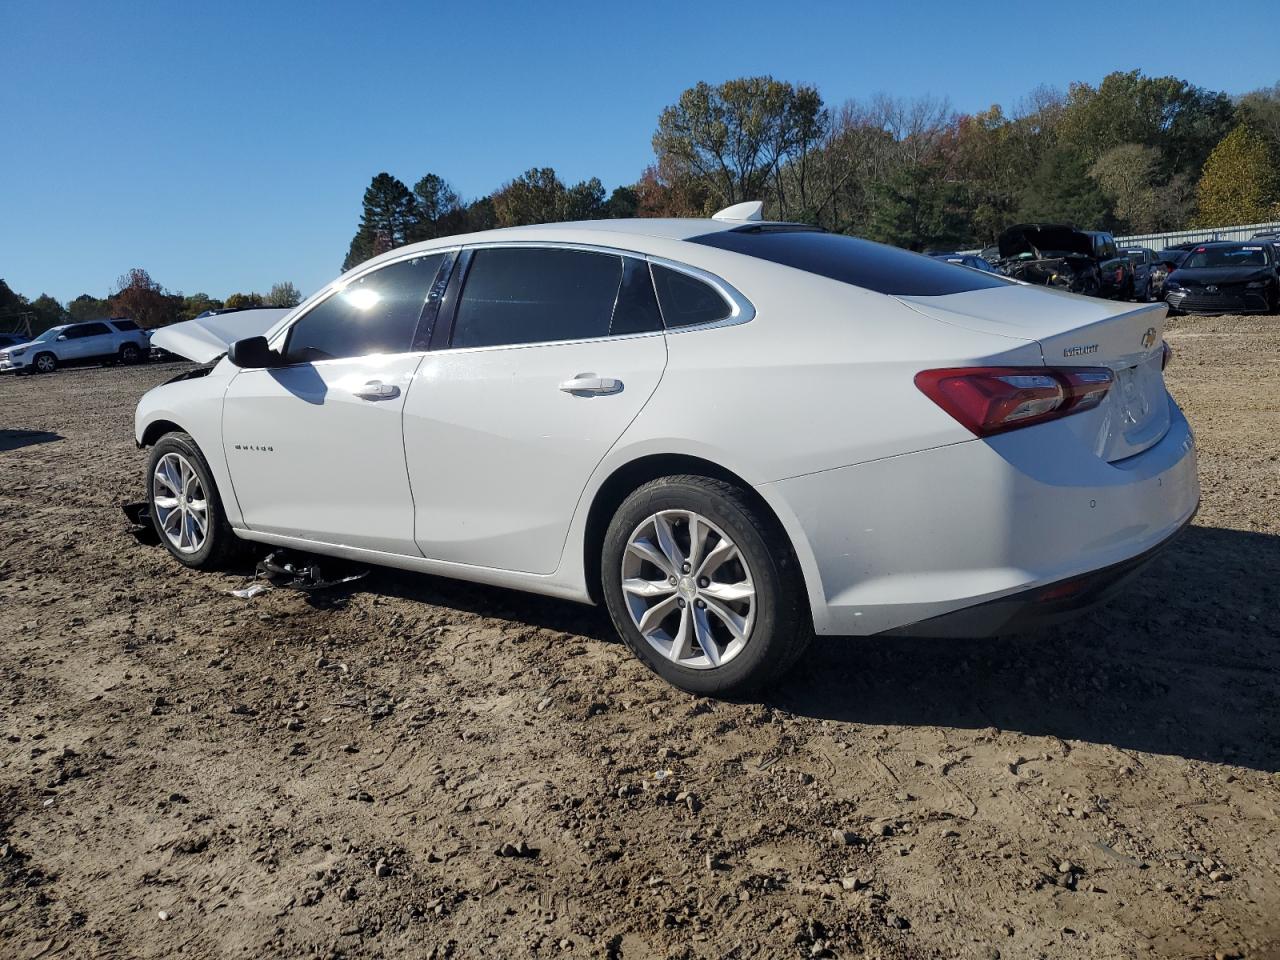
[{"x": 731, "y": 432}]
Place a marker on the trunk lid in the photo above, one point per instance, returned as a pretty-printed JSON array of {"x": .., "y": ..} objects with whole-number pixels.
[{"x": 1075, "y": 331}]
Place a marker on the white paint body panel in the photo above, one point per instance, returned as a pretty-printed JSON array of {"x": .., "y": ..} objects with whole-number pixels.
[
  {"x": 498, "y": 454},
  {"x": 205, "y": 338},
  {"x": 484, "y": 470},
  {"x": 309, "y": 458}
]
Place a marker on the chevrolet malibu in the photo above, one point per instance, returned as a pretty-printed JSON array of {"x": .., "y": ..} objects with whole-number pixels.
[{"x": 732, "y": 433}]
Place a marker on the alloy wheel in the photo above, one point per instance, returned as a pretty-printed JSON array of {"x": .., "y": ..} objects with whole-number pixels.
[
  {"x": 688, "y": 589},
  {"x": 45, "y": 363},
  {"x": 180, "y": 502}
]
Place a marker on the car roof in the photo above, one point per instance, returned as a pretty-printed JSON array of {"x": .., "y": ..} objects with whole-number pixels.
[{"x": 626, "y": 234}]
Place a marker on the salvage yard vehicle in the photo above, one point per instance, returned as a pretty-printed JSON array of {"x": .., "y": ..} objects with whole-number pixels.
[
  {"x": 971, "y": 260},
  {"x": 1227, "y": 277},
  {"x": 1149, "y": 273},
  {"x": 97, "y": 341},
  {"x": 732, "y": 433},
  {"x": 1058, "y": 255}
]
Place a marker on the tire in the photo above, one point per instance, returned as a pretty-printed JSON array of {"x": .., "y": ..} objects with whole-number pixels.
[
  {"x": 44, "y": 363},
  {"x": 129, "y": 353},
  {"x": 773, "y": 627},
  {"x": 183, "y": 462}
]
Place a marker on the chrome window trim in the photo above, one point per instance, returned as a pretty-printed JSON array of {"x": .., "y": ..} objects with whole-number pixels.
[
  {"x": 741, "y": 309},
  {"x": 280, "y": 335}
]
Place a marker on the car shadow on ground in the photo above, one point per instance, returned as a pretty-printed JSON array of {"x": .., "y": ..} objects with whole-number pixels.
[
  {"x": 1184, "y": 661},
  {"x": 16, "y": 439}
]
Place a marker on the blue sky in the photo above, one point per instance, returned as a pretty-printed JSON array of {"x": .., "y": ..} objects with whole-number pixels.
[{"x": 226, "y": 146}]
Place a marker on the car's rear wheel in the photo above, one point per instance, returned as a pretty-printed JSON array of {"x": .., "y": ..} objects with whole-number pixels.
[
  {"x": 129, "y": 353},
  {"x": 44, "y": 363},
  {"x": 185, "y": 507},
  {"x": 703, "y": 586}
]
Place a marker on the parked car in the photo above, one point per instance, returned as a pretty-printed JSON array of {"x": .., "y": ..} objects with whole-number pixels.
[
  {"x": 11, "y": 339},
  {"x": 973, "y": 261},
  {"x": 71, "y": 344},
  {"x": 1058, "y": 255},
  {"x": 1172, "y": 257},
  {"x": 1149, "y": 273},
  {"x": 1227, "y": 277},
  {"x": 731, "y": 433}
]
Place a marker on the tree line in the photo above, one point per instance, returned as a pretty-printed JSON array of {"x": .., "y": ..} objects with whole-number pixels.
[
  {"x": 136, "y": 296},
  {"x": 1133, "y": 154}
]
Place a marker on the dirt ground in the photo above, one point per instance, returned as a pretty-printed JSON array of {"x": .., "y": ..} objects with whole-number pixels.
[{"x": 185, "y": 772}]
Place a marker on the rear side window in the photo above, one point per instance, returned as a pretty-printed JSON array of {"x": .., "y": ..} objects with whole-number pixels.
[
  {"x": 87, "y": 330},
  {"x": 377, "y": 313},
  {"x": 852, "y": 260},
  {"x": 687, "y": 300},
  {"x": 124, "y": 324},
  {"x": 516, "y": 295}
]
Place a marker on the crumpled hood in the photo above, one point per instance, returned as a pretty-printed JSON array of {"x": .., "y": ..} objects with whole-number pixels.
[
  {"x": 1221, "y": 274},
  {"x": 1035, "y": 237},
  {"x": 207, "y": 338}
]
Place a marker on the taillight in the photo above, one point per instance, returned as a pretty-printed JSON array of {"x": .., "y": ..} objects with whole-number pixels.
[
  {"x": 1166, "y": 354},
  {"x": 990, "y": 400}
]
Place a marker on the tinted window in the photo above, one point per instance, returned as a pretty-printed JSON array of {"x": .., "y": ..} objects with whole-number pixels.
[
  {"x": 687, "y": 300},
  {"x": 87, "y": 330},
  {"x": 124, "y": 324},
  {"x": 377, "y": 313},
  {"x": 637, "y": 308},
  {"x": 852, "y": 260},
  {"x": 535, "y": 295}
]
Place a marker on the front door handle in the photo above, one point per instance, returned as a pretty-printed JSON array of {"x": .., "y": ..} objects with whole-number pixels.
[
  {"x": 588, "y": 384},
  {"x": 377, "y": 390}
]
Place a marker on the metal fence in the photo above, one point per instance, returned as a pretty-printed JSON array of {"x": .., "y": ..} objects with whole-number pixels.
[
  {"x": 1159, "y": 241},
  {"x": 1167, "y": 238}
]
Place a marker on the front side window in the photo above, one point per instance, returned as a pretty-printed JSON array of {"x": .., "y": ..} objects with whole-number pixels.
[
  {"x": 686, "y": 300},
  {"x": 377, "y": 313},
  {"x": 518, "y": 295}
]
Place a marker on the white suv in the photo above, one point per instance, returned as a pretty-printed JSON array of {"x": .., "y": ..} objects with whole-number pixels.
[{"x": 93, "y": 342}]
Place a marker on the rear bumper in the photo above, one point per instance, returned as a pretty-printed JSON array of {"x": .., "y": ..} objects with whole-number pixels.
[
  {"x": 1040, "y": 606},
  {"x": 896, "y": 542}
]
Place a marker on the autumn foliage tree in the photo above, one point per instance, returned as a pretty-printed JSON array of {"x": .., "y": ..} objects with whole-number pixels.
[
  {"x": 1240, "y": 182},
  {"x": 143, "y": 300}
]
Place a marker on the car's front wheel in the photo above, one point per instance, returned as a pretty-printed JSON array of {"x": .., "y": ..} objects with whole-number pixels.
[
  {"x": 703, "y": 586},
  {"x": 44, "y": 363},
  {"x": 185, "y": 507}
]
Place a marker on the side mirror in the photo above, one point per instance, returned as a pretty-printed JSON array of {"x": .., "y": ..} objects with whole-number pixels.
[
  {"x": 252, "y": 353},
  {"x": 62, "y": 336}
]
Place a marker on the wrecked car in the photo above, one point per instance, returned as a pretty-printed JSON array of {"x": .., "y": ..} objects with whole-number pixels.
[
  {"x": 655, "y": 415},
  {"x": 1060, "y": 256}
]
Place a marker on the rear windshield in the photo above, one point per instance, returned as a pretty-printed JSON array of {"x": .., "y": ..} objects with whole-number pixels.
[
  {"x": 852, "y": 260},
  {"x": 1251, "y": 256}
]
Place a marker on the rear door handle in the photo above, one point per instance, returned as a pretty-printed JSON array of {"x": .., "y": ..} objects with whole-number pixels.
[
  {"x": 377, "y": 390},
  {"x": 588, "y": 384}
]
